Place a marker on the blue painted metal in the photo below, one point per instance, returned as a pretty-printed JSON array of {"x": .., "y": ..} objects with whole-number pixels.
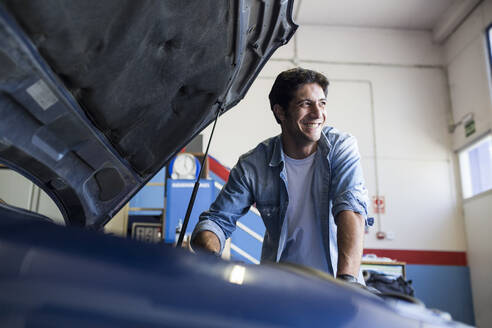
[
  {"x": 148, "y": 197},
  {"x": 79, "y": 278},
  {"x": 245, "y": 241},
  {"x": 444, "y": 287},
  {"x": 178, "y": 193},
  {"x": 160, "y": 176}
]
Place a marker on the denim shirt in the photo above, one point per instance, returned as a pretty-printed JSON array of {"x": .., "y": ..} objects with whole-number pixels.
[{"x": 260, "y": 178}]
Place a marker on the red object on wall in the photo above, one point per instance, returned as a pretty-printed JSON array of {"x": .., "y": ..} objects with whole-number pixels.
[
  {"x": 218, "y": 168},
  {"x": 422, "y": 256},
  {"x": 378, "y": 204}
]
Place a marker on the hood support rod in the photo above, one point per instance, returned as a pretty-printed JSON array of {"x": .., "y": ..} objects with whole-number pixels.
[{"x": 195, "y": 188}]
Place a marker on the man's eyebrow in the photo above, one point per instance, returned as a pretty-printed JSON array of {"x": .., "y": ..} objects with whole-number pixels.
[
  {"x": 303, "y": 99},
  {"x": 308, "y": 99}
]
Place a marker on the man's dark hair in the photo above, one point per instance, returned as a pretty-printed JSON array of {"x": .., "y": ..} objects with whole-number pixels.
[{"x": 288, "y": 82}]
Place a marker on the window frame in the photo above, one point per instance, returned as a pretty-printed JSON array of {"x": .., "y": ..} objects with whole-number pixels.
[{"x": 466, "y": 179}]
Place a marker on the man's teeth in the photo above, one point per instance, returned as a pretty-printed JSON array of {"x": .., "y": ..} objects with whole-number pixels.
[{"x": 311, "y": 124}]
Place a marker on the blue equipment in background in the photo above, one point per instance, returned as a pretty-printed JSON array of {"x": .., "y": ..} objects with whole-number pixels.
[
  {"x": 178, "y": 193},
  {"x": 150, "y": 199}
]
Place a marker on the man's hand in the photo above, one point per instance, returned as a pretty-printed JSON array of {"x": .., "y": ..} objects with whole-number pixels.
[
  {"x": 206, "y": 240},
  {"x": 350, "y": 236}
]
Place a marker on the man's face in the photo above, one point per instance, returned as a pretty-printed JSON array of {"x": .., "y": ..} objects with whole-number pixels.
[{"x": 305, "y": 117}]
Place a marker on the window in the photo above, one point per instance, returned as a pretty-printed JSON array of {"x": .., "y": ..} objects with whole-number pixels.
[
  {"x": 476, "y": 167},
  {"x": 488, "y": 36},
  {"x": 476, "y": 160}
]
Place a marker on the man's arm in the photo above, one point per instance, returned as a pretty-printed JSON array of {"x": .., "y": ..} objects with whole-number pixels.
[
  {"x": 207, "y": 240},
  {"x": 218, "y": 223},
  {"x": 350, "y": 238},
  {"x": 349, "y": 207}
]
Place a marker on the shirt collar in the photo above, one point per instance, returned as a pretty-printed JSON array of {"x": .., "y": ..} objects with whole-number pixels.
[
  {"x": 278, "y": 154},
  {"x": 324, "y": 147}
]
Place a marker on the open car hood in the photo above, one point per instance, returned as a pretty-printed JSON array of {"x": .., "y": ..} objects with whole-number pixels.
[{"x": 97, "y": 96}]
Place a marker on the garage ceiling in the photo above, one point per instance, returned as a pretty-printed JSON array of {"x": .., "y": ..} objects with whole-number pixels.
[{"x": 439, "y": 16}]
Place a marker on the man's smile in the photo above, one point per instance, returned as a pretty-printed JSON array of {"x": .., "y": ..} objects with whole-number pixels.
[{"x": 312, "y": 124}]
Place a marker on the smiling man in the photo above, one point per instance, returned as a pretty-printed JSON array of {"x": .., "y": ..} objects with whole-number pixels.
[{"x": 306, "y": 183}]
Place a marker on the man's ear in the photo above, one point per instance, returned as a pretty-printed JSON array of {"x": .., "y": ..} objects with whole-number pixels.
[{"x": 279, "y": 112}]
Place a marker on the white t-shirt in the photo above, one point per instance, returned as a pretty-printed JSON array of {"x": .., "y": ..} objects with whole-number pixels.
[{"x": 304, "y": 239}]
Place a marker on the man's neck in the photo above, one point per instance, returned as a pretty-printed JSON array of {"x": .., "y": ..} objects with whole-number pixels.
[{"x": 298, "y": 150}]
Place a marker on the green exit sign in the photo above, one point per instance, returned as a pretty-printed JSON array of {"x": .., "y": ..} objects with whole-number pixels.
[{"x": 469, "y": 128}]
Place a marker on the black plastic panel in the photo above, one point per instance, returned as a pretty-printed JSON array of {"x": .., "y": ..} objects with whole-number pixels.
[
  {"x": 146, "y": 72},
  {"x": 101, "y": 94}
]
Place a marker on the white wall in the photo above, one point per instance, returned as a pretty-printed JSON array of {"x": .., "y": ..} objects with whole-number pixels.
[
  {"x": 466, "y": 59},
  {"x": 478, "y": 227},
  {"x": 14, "y": 189},
  {"x": 469, "y": 78},
  {"x": 389, "y": 89},
  {"x": 20, "y": 192}
]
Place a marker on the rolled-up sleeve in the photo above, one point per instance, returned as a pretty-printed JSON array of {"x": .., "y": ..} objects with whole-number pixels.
[
  {"x": 233, "y": 201},
  {"x": 347, "y": 185}
]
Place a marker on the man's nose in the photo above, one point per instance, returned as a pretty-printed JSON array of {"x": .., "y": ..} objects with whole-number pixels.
[{"x": 317, "y": 110}]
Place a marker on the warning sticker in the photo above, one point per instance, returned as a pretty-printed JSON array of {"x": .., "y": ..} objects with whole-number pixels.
[
  {"x": 378, "y": 204},
  {"x": 42, "y": 94}
]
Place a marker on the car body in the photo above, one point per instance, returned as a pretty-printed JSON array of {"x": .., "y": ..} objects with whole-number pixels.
[{"x": 96, "y": 97}]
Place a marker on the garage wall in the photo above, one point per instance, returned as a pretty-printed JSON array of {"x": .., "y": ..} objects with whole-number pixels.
[
  {"x": 20, "y": 192},
  {"x": 478, "y": 226},
  {"x": 389, "y": 89},
  {"x": 469, "y": 78},
  {"x": 466, "y": 60}
]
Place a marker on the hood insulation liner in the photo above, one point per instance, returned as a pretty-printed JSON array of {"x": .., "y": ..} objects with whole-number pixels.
[{"x": 99, "y": 95}]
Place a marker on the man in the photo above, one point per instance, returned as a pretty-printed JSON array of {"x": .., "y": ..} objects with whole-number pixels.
[{"x": 306, "y": 183}]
